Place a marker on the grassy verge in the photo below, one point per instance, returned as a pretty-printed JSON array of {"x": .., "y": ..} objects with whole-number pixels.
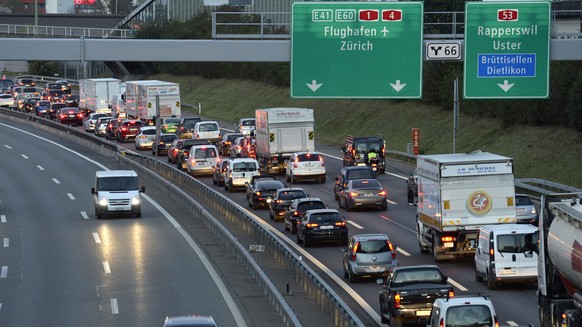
[{"x": 549, "y": 153}]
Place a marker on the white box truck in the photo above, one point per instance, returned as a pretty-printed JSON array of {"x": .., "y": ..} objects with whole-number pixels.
[
  {"x": 95, "y": 94},
  {"x": 141, "y": 98},
  {"x": 279, "y": 132},
  {"x": 458, "y": 193}
]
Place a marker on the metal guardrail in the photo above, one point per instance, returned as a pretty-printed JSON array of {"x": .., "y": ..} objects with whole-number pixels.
[
  {"x": 183, "y": 188},
  {"x": 65, "y": 32},
  {"x": 38, "y": 79},
  {"x": 277, "y": 25}
]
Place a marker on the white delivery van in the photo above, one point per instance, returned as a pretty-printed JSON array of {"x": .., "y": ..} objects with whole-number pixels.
[
  {"x": 239, "y": 172},
  {"x": 207, "y": 130},
  {"x": 117, "y": 192},
  {"x": 507, "y": 253}
]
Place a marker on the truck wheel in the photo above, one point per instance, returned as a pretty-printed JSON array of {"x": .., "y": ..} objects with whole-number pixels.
[
  {"x": 322, "y": 179},
  {"x": 98, "y": 214},
  {"x": 351, "y": 277},
  {"x": 477, "y": 277},
  {"x": 383, "y": 318},
  {"x": 299, "y": 241},
  {"x": 255, "y": 204},
  {"x": 138, "y": 214}
]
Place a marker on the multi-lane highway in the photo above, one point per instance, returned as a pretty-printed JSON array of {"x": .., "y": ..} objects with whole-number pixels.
[
  {"x": 515, "y": 304},
  {"x": 60, "y": 266}
]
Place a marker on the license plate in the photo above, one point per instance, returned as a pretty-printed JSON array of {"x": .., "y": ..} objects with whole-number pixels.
[
  {"x": 448, "y": 244},
  {"x": 72, "y": 116},
  {"x": 520, "y": 210},
  {"x": 423, "y": 313},
  {"x": 368, "y": 194},
  {"x": 507, "y": 272},
  {"x": 375, "y": 268},
  {"x": 326, "y": 227}
]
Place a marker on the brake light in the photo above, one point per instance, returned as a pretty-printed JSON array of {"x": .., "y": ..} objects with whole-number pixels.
[
  {"x": 391, "y": 247},
  {"x": 451, "y": 294},
  {"x": 258, "y": 193},
  {"x": 321, "y": 160},
  {"x": 295, "y": 213},
  {"x": 496, "y": 321},
  {"x": 397, "y": 300},
  {"x": 279, "y": 201},
  {"x": 340, "y": 223},
  {"x": 448, "y": 238},
  {"x": 353, "y": 194},
  {"x": 353, "y": 256},
  {"x": 124, "y": 128},
  {"x": 311, "y": 225},
  {"x": 442, "y": 322},
  {"x": 382, "y": 193}
]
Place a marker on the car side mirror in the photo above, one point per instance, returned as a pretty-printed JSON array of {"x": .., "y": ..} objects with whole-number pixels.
[
  {"x": 142, "y": 189},
  {"x": 93, "y": 190}
]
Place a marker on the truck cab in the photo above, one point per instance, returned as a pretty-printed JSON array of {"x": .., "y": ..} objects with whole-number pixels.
[{"x": 117, "y": 192}]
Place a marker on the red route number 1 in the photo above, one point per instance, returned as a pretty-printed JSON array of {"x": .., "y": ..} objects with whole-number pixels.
[{"x": 369, "y": 15}]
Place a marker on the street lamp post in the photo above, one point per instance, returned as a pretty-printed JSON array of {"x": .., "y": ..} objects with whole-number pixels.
[{"x": 35, "y": 17}]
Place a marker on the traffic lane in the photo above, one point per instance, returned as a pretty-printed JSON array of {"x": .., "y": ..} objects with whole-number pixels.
[{"x": 151, "y": 309}]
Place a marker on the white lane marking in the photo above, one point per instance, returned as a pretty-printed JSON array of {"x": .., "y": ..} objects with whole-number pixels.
[
  {"x": 0, "y": 306},
  {"x": 4, "y": 272},
  {"x": 7, "y": 146},
  {"x": 338, "y": 158},
  {"x": 96, "y": 238},
  {"x": 512, "y": 323},
  {"x": 24, "y": 156},
  {"x": 106, "y": 267},
  {"x": 70, "y": 195},
  {"x": 406, "y": 254},
  {"x": 39, "y": 167},
  {"x": 326, "y": 191},
  {"x": 391, "y": 202},
  {"x": 56, "y": 181},
  {"x": 84, "y": 214},
  {"x": 6, "y": 242},
  {"x": 114, "y": 307},
  {"x": 457, "y": 285},
  {"x": 209, "y": 267},
  {"x": 392, "y": 221},
  {"x": 3, "y": 218},
  {"x": 355, "y": 225}
]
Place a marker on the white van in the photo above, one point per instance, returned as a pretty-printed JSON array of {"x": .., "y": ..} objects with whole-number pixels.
[
  {"x": 117, "y": 192},
  {"x": 507, "y": 253},
  {"x": 207, "y": 130},
  {"x": 239, "y": 172},
  {"x": 202, "y": 159},
  {"x": 118, "y": 106}
]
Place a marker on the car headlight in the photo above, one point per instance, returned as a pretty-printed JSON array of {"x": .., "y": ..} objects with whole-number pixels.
[
  {"x": 103, "y": 202},
  {"x": 135, "y": 201}
]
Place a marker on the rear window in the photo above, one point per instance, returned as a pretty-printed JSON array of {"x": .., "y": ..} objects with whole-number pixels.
[
  {"x": 58, "y": 105},
  {"x": 308, "y": 157},
  {"x": 468, "y": 315},
  {"x": 366, "y": 183},
  {"x": 270, "y": 185},
  {"x": 373, "y": 246},
  {"x": 361, "y": 174},
  {"x": 149, "y": 131},
  {"x": 171, "y": 121},
  {"x": 244, "y": 166},
  {"x": 416, "y": 275},
  {"x": 168, "y": 138},
  {"x": 208, "y": 127},
  {"x": 202, "y": 153},
  {"x": 325, "y": 217},
  {"x": 304, "y": 206},
  {"x": 232, "y": 137},
  {"x": 249, "y": 122},
  {"x": 289, "y": 195},
  {"x": 190, "y": 122}
]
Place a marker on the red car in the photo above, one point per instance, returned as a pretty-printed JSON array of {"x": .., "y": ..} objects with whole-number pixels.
[
  {"x": 128, "y": 129},
  {"x": 70, "y": 116}
]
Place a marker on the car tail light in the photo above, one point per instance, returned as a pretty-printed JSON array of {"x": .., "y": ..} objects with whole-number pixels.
[
  {"x": 340, "y": 223},
  {"x": 442, "y": 322},
  {"x": 496, "y": 321},
  {"x": 124, "y": 129},
  {"x": 353, "y": 257},
  {"x": 382, "y": 193},
  {"x": 353, "y": 194},
  {"x": 448, "y": 238},
  {"x": 143, "y": 137},
  {"x": 295, "y": 213},
  {"x": 311, "y": 225},
  {"x": 391, "y": 247},
  {"x": 397, "y": 300},
  {"x": 451, "y": 293},
  {"x": 279, "y": 201},
  {"x": 258, "y": 193},
  {"x": 321, "y": 160}
]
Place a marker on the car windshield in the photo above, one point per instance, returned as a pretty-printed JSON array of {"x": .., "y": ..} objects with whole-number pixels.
[
  {"x": 117, "y": 183},
  {"x": 428, "y": 275},
  {"x": 289, "y": 195},
  {"x": 308, "y": 157},
  {"x": 244, "y": 166},
  {"x": 468, "y": 315},
  {"x": 249, "y": 122}
]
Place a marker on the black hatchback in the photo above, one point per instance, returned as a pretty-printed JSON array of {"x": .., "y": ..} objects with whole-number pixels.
[{"x": 322, "y": 225}]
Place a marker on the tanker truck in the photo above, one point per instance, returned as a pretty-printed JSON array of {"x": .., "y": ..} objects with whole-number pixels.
[{"x": 560, "y": 260}]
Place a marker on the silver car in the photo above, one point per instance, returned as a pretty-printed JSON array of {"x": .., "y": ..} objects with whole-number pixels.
[
  {"x": 368, "y": 255},
  {"x": 145, "y": 138},
  {"x": 193, "y": 320},
  {"x": 525, "y": 210}
]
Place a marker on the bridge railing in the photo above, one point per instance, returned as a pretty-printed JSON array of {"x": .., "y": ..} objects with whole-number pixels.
[
  {"x": 65, "y": 32},
  {"x": 437, "y": 25}
]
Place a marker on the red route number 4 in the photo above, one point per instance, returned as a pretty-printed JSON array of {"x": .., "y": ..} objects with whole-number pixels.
[{"x": 387, "y": 15}]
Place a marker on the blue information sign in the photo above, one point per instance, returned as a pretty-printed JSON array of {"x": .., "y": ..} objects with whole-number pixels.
[{"x": 506, "y": 65}]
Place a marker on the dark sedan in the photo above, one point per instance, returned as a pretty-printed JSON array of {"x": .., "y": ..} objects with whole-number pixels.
[
  {"x": 70, "y": 116},
  {"x": 363, "y": 193},
  {"x": 160, "y": 147},
  {"x": 262, "y": 193},
  {"x": 321, "y": 225},
  {"x": 282, "y": 200}
]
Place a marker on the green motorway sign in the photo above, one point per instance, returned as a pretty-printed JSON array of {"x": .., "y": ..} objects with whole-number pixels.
[
  {"x": 507, "y": 50},
  {"x": 356, "y": 50}
]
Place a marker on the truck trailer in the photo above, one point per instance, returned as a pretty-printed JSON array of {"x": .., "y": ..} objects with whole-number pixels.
[
  {"x": 458, "y": 193},
  {"x": 95, "y": 94},
  {"x": 560, "y": 260},
  {"x": 279, "y": 133},
  {"x": 142, "y": 98}
]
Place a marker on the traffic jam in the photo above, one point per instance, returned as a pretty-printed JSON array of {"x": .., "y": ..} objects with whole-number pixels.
[{"x": 464, "y": 207}]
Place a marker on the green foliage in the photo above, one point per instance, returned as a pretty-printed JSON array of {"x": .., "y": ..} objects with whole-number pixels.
[
  {"x": 575, "y": 103},
  {"x": 43, "y": 68}
]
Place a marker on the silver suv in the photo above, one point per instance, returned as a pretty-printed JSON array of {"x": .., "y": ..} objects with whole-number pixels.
[
  {"x": 463, "y": 310},
  {"x": 368, "y": 255}
]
